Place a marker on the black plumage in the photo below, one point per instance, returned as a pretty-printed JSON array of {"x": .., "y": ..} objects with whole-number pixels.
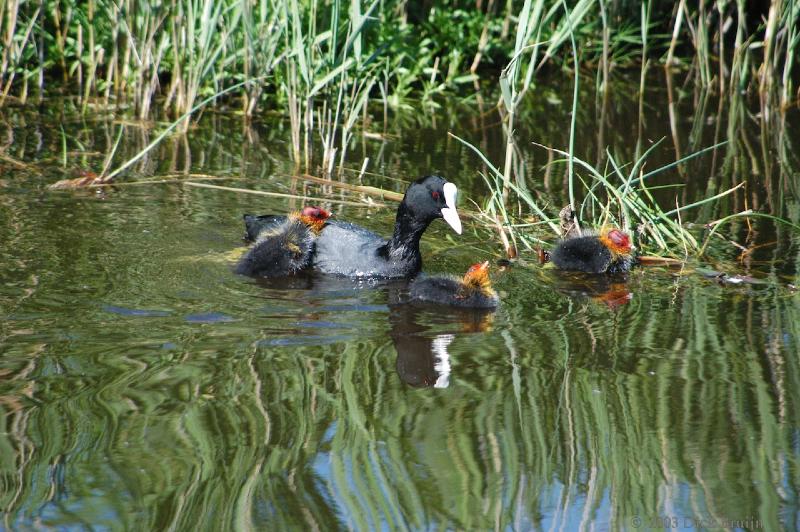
[
  {"x": 592, "y": 254},
  {"x": 472, "y": 291},
  {"x": 343, "y": 248},
  {"x": 254, "y": 225},
  {"x": 283, "y": 250}
]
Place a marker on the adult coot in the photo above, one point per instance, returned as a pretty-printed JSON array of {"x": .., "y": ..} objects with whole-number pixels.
[
  {"x": 343, "y": 248},
  {"x": 284, "y": 248},
  {"x": 473, "y": 291},
  {"x": 608, "y": 252}
]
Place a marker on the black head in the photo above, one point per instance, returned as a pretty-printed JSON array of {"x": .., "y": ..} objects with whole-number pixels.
[{"x": 432, "y": 197}]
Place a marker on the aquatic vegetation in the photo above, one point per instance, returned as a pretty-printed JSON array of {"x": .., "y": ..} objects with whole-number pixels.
[
  {"x": 614, "y": 195},
  {"x": 328, "y": 66},
  {"x": 146, "y": 53},
  {"x": 616, "y": 198}
]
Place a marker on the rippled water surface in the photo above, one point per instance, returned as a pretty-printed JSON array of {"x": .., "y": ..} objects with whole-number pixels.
[{"x": 143, "y": 385}]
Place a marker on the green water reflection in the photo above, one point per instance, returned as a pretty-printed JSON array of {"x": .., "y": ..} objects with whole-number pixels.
[{"x": 143, "y": 385}]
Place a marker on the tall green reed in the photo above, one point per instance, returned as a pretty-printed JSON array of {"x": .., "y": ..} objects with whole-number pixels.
[
  {"x": 126, "y": 49},
  {"x": 17, "y": 31},
  {"x": 329, "y": 77},
  {"x": 517, "y": 78},
  {"x": 616, "y": 198}
]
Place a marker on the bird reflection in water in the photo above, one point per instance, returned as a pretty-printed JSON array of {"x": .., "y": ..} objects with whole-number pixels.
[
  {"x": 422, "y": 336},
  {"x": 616, "y": 296},
  {"x": 609, "y": 290},
  {"x": 422, "y": 333}
]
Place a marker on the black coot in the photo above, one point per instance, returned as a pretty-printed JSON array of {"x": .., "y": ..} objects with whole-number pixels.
[{"x": 343, "y": 248}]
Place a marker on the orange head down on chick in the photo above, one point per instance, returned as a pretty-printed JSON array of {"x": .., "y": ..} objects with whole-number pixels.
[
  {"x": 313, "y": 217},
  {"x": 617, "y": 242},
  {"x": 477, "y": 278}
]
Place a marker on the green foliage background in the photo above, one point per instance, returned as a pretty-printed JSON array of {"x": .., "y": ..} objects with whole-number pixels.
[{"x": 135, "y": 52}]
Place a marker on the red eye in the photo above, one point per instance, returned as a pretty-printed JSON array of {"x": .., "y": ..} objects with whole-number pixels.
[{"x": 435, "y": 194}]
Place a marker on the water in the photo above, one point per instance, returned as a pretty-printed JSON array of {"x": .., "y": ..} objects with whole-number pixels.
[{"x": 144, "y": 385}]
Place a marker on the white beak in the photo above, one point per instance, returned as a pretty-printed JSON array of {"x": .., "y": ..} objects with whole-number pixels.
[{"x": 449, "y": 213}]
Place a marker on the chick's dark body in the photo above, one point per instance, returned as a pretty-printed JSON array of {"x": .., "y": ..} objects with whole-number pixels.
[
  {"x": 282, "y": 250},
  {"x": 450, "y": 291},
  {"x": 588, "y": 254},
  {"x": 254, "y": 225}
]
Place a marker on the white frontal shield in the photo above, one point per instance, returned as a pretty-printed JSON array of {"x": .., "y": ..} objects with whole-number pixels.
[{"x": 449, "y": 213}]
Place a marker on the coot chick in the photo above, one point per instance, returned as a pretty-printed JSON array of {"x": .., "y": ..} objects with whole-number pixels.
[
  {"x": 343, "y": 248},
  {"x": 608, "y": 252},
  {"x": 473, "y": 291},
  {"x": 284, "y": 249}
]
